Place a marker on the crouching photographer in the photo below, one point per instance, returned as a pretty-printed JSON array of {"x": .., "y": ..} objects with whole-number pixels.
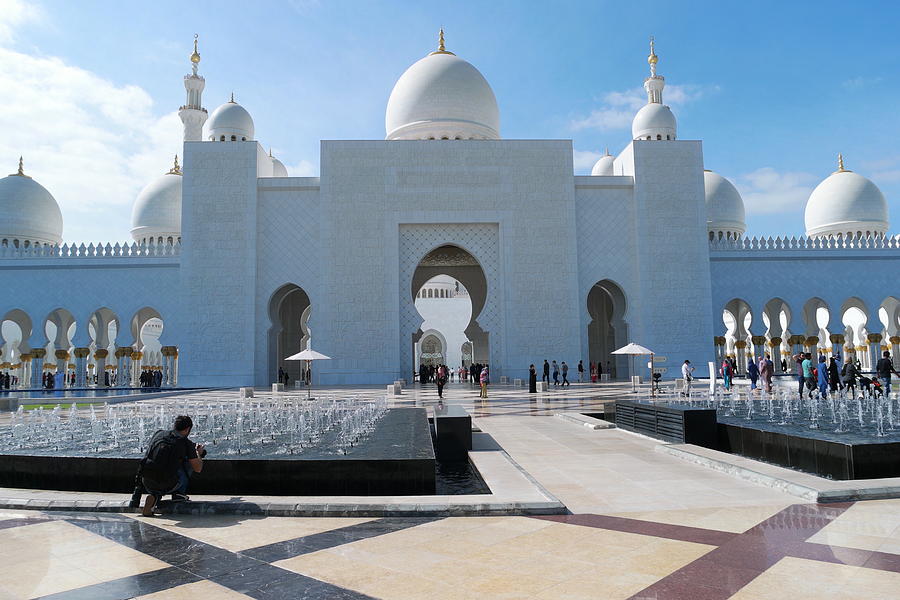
[{"x": 166, "y": 468}]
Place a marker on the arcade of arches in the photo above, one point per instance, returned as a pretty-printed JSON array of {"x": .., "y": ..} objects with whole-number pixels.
[
  {"x": 114, "y": 353},
  {"x": 849, "y": 328}
]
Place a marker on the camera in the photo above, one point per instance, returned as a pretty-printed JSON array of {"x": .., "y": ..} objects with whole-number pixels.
[{"x": 202, "y": 453}]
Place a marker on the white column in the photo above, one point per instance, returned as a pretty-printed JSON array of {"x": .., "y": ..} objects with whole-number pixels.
[{"x": 81, "y": 355}]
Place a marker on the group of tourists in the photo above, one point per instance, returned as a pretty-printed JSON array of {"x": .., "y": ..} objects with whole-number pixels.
[
  {"x": 8, "y": 380},
  {"x": 557, "y": 369},
  {"x": 151, "y": 378},
  {"x": 831, "y": 375}
]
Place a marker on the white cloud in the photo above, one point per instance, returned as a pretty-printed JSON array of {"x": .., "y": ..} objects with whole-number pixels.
[
  {"x": 860, "y": 82},
  {"x": 14, "y": 13},
  {"x": 93, "y": 144},
  {"x": 767, "y": 191},
  {"x": 304, "y": 168},
  {"x": 584, "y": 159},
  {"x": 618, "y": 108}
]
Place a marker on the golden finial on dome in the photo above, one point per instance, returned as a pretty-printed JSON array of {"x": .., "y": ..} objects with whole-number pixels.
[
  {"x": 653, "y": 58},
  {"x": 841, "y": 168},
  {"x": 232, "y": 98},
  {"x": 176, "y": 168},
  {"x": 195, "y": 57},
  {"x": 270, "y": 152},
  {"x": 441, "y": 49},
  {"x": 21, "y": 171}
]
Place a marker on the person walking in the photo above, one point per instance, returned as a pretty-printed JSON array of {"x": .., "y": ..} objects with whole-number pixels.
[
  {"x": 593, "y": 372},
  {"x": 580, "y": 371},
  {"x": 766, "y": 371},
  {"x": 822, "y": 377},
  {"x": 753, "y": 372},
  {"x": 784, "y": 365},
  {"x": 441, "y": 380},
  {"x": 801, "y": 379},
  {"x": 484, "y": 379},
  {"x": 532, "y": 380},
  {"x": 808, "y": 377},
  {"x": 850, "y": 373},
  {"x": 883, "y": 368},
  {"x": 687, "y": 373},
  {"x": 565, "y": 375},
  {"x": 555, "y": 373},
  {"x": 727, "y": 373},
  {"x": 546, "y": 376},
  {"x": 834, "y": 374}
]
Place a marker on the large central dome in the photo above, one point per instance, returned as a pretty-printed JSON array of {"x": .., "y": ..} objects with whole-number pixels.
[{"x": 442, "y": 97}]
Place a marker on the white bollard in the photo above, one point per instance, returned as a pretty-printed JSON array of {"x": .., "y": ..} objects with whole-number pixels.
[
  {"x": 277, "y": 387},
  {"x": 604, "y": 377},
  {"x": 543, "y": 386},
  {"x": 504, "y": 380},
  {"x": 517, "y": 382},
  {"x": 246, "y": 392}
]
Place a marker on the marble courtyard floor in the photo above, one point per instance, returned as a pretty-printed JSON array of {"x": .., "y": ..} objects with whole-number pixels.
[{"x": 642, "y": 524}]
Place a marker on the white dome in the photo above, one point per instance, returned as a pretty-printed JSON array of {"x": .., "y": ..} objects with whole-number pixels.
[
  {"x": 604, "y": 166},
  {"x": 442, "y": 97},
  {"x": 278, "y": 168},
  {"x": 157, "y": 210},
  {"x": 653, "y": 120},
  {"x": 846, "y": 203},
  {"x": 724, "y": 207},
  {"x": 230, "y": 119},
  {"x": 28, "y": 213}
]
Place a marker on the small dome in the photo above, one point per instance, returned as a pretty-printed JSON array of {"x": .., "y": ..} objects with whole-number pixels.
[
  {"x": 846, "y": 204},
  {"x": 724, "y": 207},
  {"x": 230, "y": 123},
  {"x": 157, "y": 211},
  {"x": 278, "y": 168},
  {"x": 29, "y": 214},
  {"x": 442, "y": 97},
  {"x": 654, "y": 121},
  {"x": 604, "y": 166}
]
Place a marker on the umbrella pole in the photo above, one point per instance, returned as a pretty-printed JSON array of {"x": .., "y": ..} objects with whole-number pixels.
[
  {"x": 633, "y": 388},
  {"x": 309, "y": 385}
]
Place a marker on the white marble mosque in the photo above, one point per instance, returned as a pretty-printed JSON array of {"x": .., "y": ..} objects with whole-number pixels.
[{"x": 235, "y": 265}]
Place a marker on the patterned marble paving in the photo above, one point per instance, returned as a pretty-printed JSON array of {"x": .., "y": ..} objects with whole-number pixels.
[{"x": 687, "y": 534}]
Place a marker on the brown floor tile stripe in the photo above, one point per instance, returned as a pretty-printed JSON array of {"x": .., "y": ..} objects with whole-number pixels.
[
  {"x": 720, "y": 573},
  {"x": 681, "y": 533}
]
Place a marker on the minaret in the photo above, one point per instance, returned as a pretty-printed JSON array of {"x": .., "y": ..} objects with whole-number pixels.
[
  {"x": 192, "y": 114},
  {"x": 655, "y": 83}
]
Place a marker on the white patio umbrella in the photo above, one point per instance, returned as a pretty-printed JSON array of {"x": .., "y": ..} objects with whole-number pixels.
[
  {"x": 308, "y": 355},
  {"x": 633, "y": 350}
]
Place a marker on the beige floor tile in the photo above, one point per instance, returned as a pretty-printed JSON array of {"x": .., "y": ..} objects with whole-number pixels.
[
  {"x": 797, "y": 579},
  {"x": 512, "y": 585},
  {"x": 612, "y": 586},
  {"x": 237, "y": 533},
  {"x": 41, "y": 578},
  {"x": 195, "y": 591}
]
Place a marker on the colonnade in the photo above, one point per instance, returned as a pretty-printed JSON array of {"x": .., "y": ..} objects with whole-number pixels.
[
  {"x": 86, "y": 355},
  {"x": 849, "y": 329}
]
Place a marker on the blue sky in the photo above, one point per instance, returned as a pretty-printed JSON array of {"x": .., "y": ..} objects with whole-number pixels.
[{"x": 775, "y": 90}]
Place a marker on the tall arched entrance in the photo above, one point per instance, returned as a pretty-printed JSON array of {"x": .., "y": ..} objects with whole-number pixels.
[
  {"x": 607, "y": 329},
  {"x": 289, "y": 311},
  {"x": 459, "y": 265}
]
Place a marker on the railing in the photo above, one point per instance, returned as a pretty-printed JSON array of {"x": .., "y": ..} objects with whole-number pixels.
[
  {"x": 805, "y": 243},
  {"x": 92, "y": 251}
]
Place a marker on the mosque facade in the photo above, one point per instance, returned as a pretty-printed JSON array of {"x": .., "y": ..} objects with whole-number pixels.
[{"x": 234, "y": 265}]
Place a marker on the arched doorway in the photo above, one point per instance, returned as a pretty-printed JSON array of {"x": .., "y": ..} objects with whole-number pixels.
[
  {"x": 431, "y": 350},
  {"x": 457, "y": 265},
  {"x": 607, "y": 329},
  {"x": 289, "y": 312}
]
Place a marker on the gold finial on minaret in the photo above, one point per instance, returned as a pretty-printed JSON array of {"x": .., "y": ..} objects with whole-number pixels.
[
  {"x": 441, "y": 48},
  {"x": 195, "y": 57},
  {"x": 176, "y": 168},
  {"x": 653, "y": 58},
  {"x": 21, "y": 171}
]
